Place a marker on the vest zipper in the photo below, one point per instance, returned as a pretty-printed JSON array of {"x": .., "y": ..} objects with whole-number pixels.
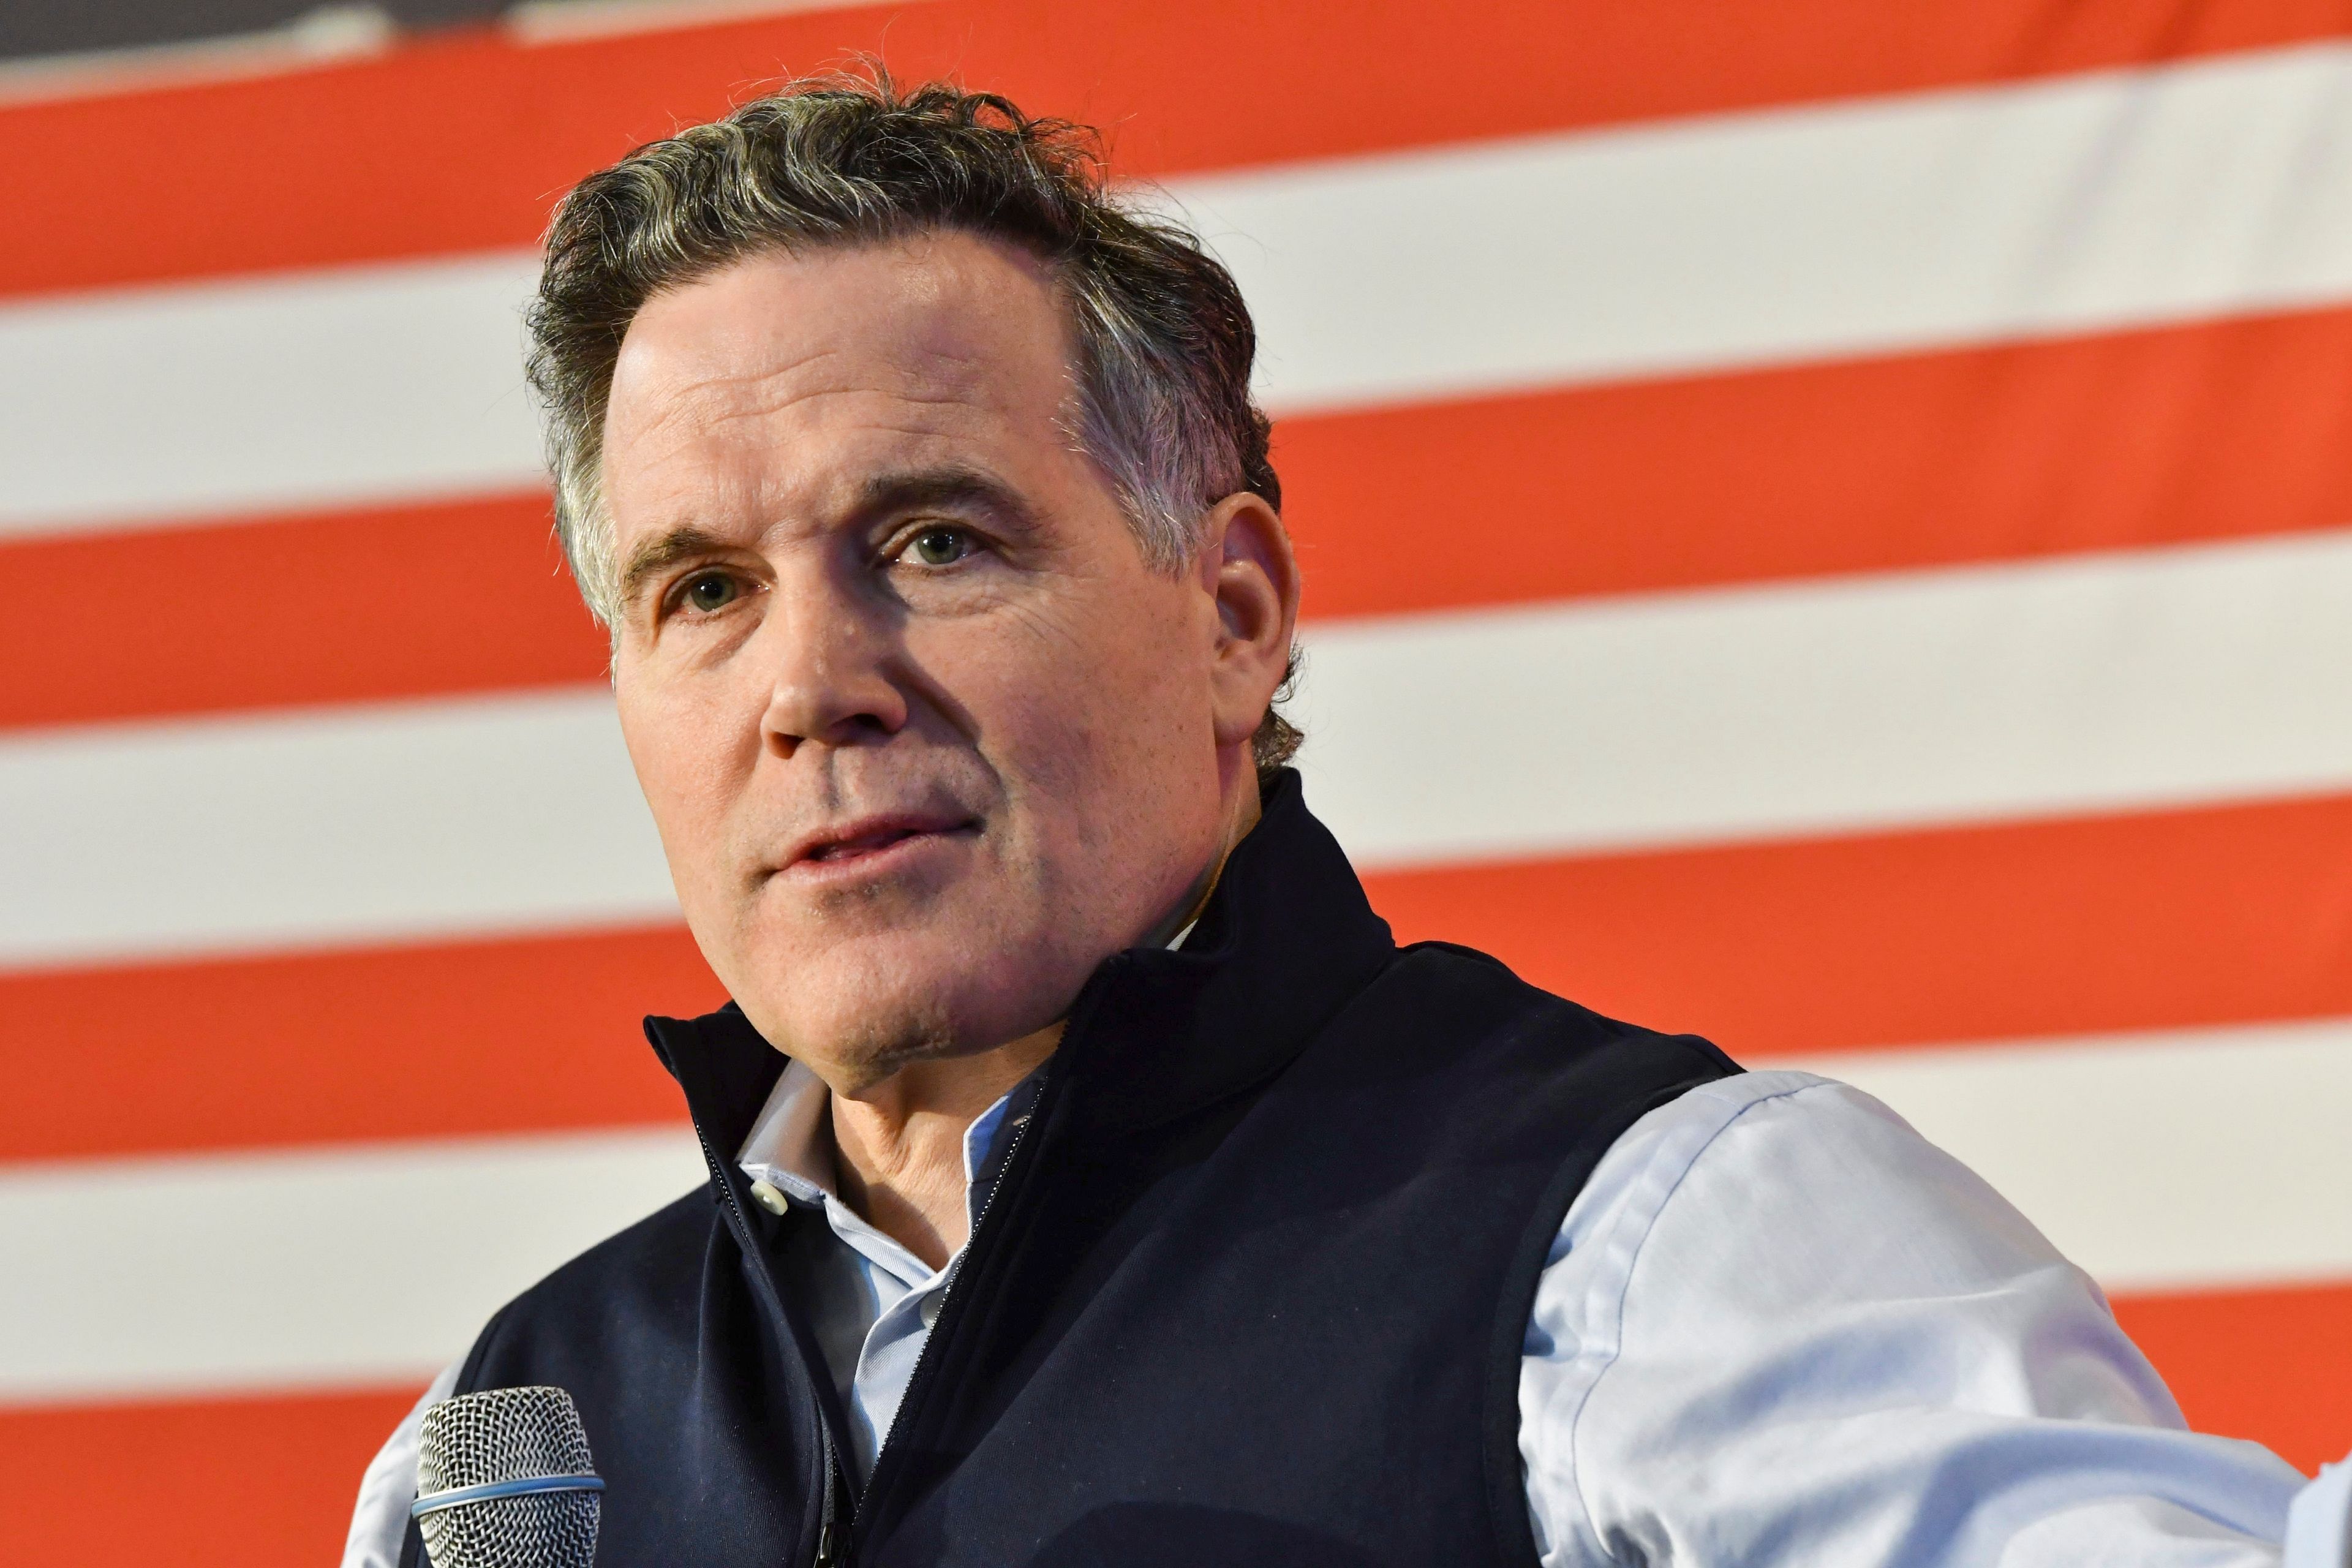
[
  {"x": 927, "y": 1361},
  {"x": 831, "y": 1541},
  {"x": 830, "y": 1538},
  {"x": 718, "y": 1179}
]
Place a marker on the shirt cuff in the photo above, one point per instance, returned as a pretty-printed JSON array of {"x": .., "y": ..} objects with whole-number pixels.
[{"x": 2319, "y": 1521}]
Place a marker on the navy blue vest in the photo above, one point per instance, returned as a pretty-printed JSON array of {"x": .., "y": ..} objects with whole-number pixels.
[{"x": 1251, "y": 1289}]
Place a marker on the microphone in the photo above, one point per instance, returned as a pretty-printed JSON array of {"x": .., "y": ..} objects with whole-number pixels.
[{"x": 504, "y": 1480}]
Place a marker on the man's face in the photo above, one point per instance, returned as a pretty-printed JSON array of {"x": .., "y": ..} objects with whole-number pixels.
[{"x": 924, "y": 736}]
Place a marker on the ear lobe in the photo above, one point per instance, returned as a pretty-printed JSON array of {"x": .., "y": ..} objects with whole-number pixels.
[{"x": 1248, "y": 565}]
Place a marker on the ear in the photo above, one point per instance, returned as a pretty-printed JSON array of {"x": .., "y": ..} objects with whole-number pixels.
[{"x": 1246, "y": 567}]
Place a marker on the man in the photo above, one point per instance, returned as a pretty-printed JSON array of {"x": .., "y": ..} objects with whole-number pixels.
[{"x": 1092, "y": 1180}]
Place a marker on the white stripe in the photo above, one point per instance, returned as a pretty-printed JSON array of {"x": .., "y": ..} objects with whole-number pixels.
[
  {"x": 1896, "y": 224},
  {"x": 2080, "y": 203},
  {"x": 2196, "y": 1159},
  {"x": 348, "y": 1266},
  {"x": 2081, "y": 685},
  {"x": 2156, "y": 1160},
  {"x": 561, "y": 21},
  {"x": 2213, "y": 673},
  {"x": 330, "y": 33},
  {"x": 309, "y": 829},
  {"x": 395, "y": 383}
]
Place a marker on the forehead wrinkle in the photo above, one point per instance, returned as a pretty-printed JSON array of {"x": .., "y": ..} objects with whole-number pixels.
[
  {"x": 798, "y": 478},
  {"x": 930, "y": 380},
  {"x": 937, "y": 362},
  {"x": 744, "y": 394},
  {"x": 708, "y": 413}
]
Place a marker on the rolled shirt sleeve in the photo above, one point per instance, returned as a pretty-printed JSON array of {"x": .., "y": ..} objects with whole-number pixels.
[{"x": 1779, "y": 1327}]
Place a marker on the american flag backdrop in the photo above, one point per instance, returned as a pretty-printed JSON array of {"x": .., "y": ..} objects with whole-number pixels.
[{"x": 1826, "y": 524}]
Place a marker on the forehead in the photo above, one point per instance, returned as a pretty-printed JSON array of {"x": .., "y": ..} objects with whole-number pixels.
[{"x": 794, "y": 370}]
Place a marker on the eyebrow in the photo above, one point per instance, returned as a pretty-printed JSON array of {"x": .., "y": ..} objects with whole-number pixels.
[
  {"x": 954, "y": 487},
  {"x": 882, "y": 495},
  {"x": 653, "y": 556}
]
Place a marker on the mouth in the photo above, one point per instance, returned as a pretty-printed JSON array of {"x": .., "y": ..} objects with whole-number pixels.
[{"x": 872, "y": 840}]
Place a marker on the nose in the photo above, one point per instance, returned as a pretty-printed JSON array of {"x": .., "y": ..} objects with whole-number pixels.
[{"x": 832, "y": 684}]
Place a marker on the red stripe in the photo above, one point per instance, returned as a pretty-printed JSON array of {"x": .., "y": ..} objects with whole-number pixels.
[
  {"x": 2272, "y": 1365},
  {"x": 460, "y": 142},
  {"x": 2213, "y": 431},
  {"x": 476, "y": 1037},
  {"x": 2154, "y": 920},
  {"x": 2275, "y": 1366},
  {"x": 261, "y": 1483},
  {"x": 347, "y": 607},
  {"x": 2140, "y": 438},
  {"x": 2179, "y": 919}
]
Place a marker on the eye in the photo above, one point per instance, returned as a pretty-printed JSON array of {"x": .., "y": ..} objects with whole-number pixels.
[
  {"x": 708, "y": 591},
  {"x": 940, "y": 545}
]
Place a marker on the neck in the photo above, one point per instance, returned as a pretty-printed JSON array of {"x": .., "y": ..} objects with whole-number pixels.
[
  {"x": 898, "y": 1145},
  {"x": 899, "y": 1142}
]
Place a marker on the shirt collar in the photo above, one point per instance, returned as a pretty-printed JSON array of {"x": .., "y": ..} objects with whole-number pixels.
[
  {"x": 785, "y": 1146},
  {"x": 788, "y": 1144}
]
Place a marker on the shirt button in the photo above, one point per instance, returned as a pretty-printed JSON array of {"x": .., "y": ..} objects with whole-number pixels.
[
  {"x": 769, "y": 1197},
  {"x": 931, "y": 1305}
]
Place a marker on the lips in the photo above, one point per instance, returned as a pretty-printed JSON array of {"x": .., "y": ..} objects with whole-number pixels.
[{"x": 847, "y": 843}]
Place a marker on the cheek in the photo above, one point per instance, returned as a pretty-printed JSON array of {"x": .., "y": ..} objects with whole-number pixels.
[
  {"x": 678, "y": 749},
  {"x": 1102, "y": 698}
]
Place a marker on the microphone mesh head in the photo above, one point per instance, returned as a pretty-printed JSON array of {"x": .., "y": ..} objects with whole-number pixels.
[{"x": 504, "y": 1434}]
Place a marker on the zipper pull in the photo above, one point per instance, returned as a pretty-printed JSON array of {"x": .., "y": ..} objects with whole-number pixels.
[{"x": 830, "y": 1538}]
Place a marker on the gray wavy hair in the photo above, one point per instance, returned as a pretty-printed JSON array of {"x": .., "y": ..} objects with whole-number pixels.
[{"x": 1163, "y": 342}]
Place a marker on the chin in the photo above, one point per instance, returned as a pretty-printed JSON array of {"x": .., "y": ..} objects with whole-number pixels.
[{"x": 867, "y": 1005}]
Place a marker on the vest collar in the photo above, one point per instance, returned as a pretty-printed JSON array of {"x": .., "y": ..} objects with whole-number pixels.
[{"x": 1286, "y": 940}]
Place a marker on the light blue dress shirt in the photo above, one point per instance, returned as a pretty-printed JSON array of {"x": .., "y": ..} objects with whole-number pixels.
[
  {"x": 871, "y": 1301},
  {"x": 1778, "y": 1328}
]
